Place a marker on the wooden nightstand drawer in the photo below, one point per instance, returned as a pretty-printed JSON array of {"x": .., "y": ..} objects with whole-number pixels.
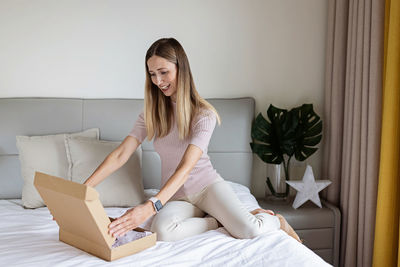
[
  {"x": 325, "y": 254},
  {"x": 317, "y": 238}
]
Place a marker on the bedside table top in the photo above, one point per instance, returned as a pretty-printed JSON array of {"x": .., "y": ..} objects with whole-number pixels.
[{"x": 307, "y": 216}]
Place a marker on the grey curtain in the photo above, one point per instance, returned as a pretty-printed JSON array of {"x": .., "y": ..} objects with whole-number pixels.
[{"x": 352, "y": 121}]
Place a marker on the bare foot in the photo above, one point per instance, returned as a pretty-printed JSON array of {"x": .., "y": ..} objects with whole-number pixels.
[
  {"x": 287, "y": 228},
  {"x": 254, "y": 212}
]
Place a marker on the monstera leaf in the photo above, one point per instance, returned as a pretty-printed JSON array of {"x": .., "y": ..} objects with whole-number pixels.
[
  {"x": 308, "y": 132},
  {"x": 276, "y": 137}
]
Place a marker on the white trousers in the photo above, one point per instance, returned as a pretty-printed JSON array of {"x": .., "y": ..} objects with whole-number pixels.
[{"x": 185, "y": 217}]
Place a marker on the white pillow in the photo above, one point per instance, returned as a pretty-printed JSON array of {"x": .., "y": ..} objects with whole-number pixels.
[
  {"x": 123, "y": 188},
  {"x": 45, "y": 154}
]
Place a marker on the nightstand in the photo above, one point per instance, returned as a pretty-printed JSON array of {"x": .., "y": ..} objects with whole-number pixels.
[{"x": 319, "y": 227}]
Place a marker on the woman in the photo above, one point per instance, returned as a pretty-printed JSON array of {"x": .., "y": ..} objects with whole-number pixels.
[{"x": 181, "y": 123}]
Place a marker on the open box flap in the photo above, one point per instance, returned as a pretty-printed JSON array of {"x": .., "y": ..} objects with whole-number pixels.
[{"x": 76, "y": 208}]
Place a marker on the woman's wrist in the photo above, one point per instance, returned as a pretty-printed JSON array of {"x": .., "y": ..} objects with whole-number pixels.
[{"x": 150, "y": 207}]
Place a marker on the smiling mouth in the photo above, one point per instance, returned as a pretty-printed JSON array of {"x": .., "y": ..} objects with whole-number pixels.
[{"x": 165, "y": 88}]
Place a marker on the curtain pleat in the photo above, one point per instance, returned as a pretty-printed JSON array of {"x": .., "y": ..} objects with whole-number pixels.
[{"x": 334, "y": 97}]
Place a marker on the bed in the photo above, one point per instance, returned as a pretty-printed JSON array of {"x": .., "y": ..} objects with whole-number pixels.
[{"x": 30, "y": 238}]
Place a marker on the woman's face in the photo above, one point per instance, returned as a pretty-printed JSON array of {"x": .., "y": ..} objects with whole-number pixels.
[{"x": 163, "y": 74}]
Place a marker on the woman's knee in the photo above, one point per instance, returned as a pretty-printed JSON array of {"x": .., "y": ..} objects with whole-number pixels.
[
  {"x": 162, "y": 232},
  {"x": 164, "y": 229}
]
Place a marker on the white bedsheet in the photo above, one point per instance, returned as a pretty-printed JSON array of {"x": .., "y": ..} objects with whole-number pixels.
[{"x": 30, "y": 238}]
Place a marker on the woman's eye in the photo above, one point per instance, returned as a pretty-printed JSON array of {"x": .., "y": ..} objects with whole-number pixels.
[
  {"x": 152, "y": 75},
  {"x": 164, "y": 72}
]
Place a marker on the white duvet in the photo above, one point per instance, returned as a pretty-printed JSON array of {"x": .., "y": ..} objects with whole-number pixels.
[{"x": 30, "y": 238}]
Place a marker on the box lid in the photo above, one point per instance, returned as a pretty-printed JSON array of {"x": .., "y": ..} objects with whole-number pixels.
[{"x": 76, "y": 208}]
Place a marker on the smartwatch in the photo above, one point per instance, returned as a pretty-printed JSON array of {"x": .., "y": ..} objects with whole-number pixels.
[{"x": 156, "y": 204}]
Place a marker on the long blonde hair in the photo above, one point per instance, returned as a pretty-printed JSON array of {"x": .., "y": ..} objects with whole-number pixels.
[{"x": 158, "y": 112}]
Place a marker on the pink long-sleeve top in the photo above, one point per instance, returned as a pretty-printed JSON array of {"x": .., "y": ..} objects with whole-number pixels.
[{"x": 171, "y": 150}]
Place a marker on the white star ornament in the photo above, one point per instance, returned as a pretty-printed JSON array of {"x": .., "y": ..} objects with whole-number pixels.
[{"x": 308, "y": 188}]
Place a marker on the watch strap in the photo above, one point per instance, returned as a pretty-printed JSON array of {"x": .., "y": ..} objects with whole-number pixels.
[{"x": 156, "y": 204}]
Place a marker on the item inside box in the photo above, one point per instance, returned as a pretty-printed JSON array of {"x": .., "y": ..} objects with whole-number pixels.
[{"x": 129, "y": 237}]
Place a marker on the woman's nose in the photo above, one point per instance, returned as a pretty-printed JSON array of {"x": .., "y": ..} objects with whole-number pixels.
[{"x": 159, "y": 80}]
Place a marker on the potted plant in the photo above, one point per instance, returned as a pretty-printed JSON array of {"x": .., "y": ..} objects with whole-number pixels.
[{"x": 286, "y": 134}]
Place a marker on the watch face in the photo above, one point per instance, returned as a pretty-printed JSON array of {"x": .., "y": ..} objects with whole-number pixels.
[{"x": 158, "y": 205}]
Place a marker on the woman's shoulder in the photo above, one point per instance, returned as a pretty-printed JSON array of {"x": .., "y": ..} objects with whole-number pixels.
[
  {"x": 204, "y": 114},
  {"x": 204, "y": 111}
]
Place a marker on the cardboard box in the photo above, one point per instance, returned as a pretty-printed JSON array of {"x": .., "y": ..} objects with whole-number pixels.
[{"x": 82, "y": 219}]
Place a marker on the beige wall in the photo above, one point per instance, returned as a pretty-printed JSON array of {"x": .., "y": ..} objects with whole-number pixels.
[{"x": 272, "y": 50}]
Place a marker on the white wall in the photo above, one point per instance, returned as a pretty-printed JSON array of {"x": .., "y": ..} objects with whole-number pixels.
[{"x": 271, "y": 50}]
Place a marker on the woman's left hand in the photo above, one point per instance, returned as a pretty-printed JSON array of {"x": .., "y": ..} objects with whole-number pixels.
[{"x": 131, "y": 219}]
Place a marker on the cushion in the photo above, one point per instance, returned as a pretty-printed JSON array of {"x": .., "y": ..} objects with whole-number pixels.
[
  {"x": 45, "y": 154},
  {"x": 123, "y": 188}
]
